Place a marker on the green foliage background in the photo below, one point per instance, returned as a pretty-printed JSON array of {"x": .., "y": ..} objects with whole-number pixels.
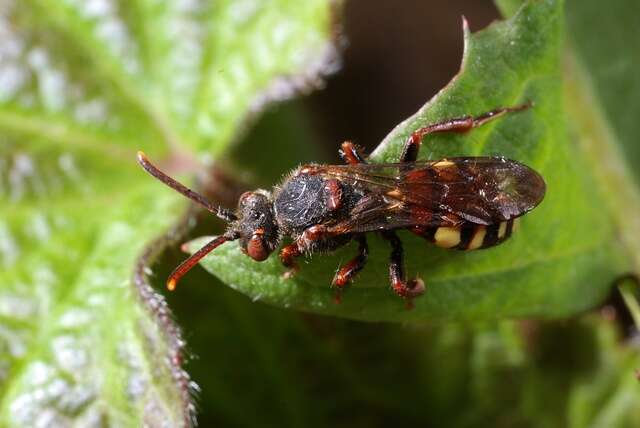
[{"x": 83, "y": 341}]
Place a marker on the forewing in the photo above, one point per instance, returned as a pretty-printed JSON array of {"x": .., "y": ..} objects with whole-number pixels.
[{"x": 481, "y": 190}]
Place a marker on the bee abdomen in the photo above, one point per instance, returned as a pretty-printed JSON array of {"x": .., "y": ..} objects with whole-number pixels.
[{"x": 471, "y": 236}]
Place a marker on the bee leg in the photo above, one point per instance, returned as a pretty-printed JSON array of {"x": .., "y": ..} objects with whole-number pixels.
[
  {"x": 288, "y": 255},
  {"x": 350, "y": 153},
  {"x": 347, "y": 272},
  {"x": 406, "y": 290},
  {"x": 460, "y": 124},
  {"x": 290, "y": 252}
]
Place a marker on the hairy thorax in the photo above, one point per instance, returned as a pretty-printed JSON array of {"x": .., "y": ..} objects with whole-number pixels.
[{"x": 306, "y": 199}]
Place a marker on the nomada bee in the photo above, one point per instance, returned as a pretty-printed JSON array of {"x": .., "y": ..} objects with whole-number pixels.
[{"x": 463, "y": 203}]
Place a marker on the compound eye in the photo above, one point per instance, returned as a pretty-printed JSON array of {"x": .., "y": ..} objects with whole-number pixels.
[{"x": 256, "y": 249}]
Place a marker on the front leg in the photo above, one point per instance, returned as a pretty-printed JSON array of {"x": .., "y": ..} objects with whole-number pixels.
[{"x": 290, "y": 252}]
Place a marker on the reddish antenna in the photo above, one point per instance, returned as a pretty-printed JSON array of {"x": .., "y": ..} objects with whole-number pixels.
[
  {"x": 186, "y": 265},
  {"x": 223, "y": 213}
]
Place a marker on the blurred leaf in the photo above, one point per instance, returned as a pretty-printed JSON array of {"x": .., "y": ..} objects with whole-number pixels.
[
  {"x": 75, "y": 343},
  {"x": 603, "y": 99},
  {"x": 563, "y": 259},
  {"x": 575, "y": 374},
  {"x": 608, "y": 68},
  {"x": 83, "y": 85}
]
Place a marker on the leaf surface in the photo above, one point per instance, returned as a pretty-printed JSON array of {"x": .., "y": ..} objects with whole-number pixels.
[{"x": 83, "y": 85}]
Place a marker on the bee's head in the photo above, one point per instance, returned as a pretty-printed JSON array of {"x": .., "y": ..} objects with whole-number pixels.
[
  {"x": 256, "y": 225},
  {"x": 253, "y": 224}
]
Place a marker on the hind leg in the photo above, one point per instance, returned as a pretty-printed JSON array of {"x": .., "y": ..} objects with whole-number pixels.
[
  {"x": 405, "y": 289},
  {"x": 351, "y": 154},
  {"x": 460, "y": 124}
]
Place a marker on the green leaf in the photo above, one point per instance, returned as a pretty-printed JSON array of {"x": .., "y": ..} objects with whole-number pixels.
[
  {"x": 83, "y": 85},
  {"x": 603, "y": 98},
  {"x": 563, "y": 259},
  {"x": 76, "y": 343}
]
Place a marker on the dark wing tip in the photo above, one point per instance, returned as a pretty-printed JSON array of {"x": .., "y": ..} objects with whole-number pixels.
[{"x": 521, "y": 191}]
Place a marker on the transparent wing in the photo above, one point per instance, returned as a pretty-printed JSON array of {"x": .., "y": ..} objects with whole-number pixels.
[{"x": 481, "y": 190}]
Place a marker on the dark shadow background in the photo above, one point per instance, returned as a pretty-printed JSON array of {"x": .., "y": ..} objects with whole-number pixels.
[{"x": 398, "y": 55}]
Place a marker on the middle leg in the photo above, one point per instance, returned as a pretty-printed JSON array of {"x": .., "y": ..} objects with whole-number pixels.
[
  {"x": 404, "y": 289},
  {"x": 305, "y": 243},
  {"x": 347, "y": 272},
  {"x": 353, "y": 266}
]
